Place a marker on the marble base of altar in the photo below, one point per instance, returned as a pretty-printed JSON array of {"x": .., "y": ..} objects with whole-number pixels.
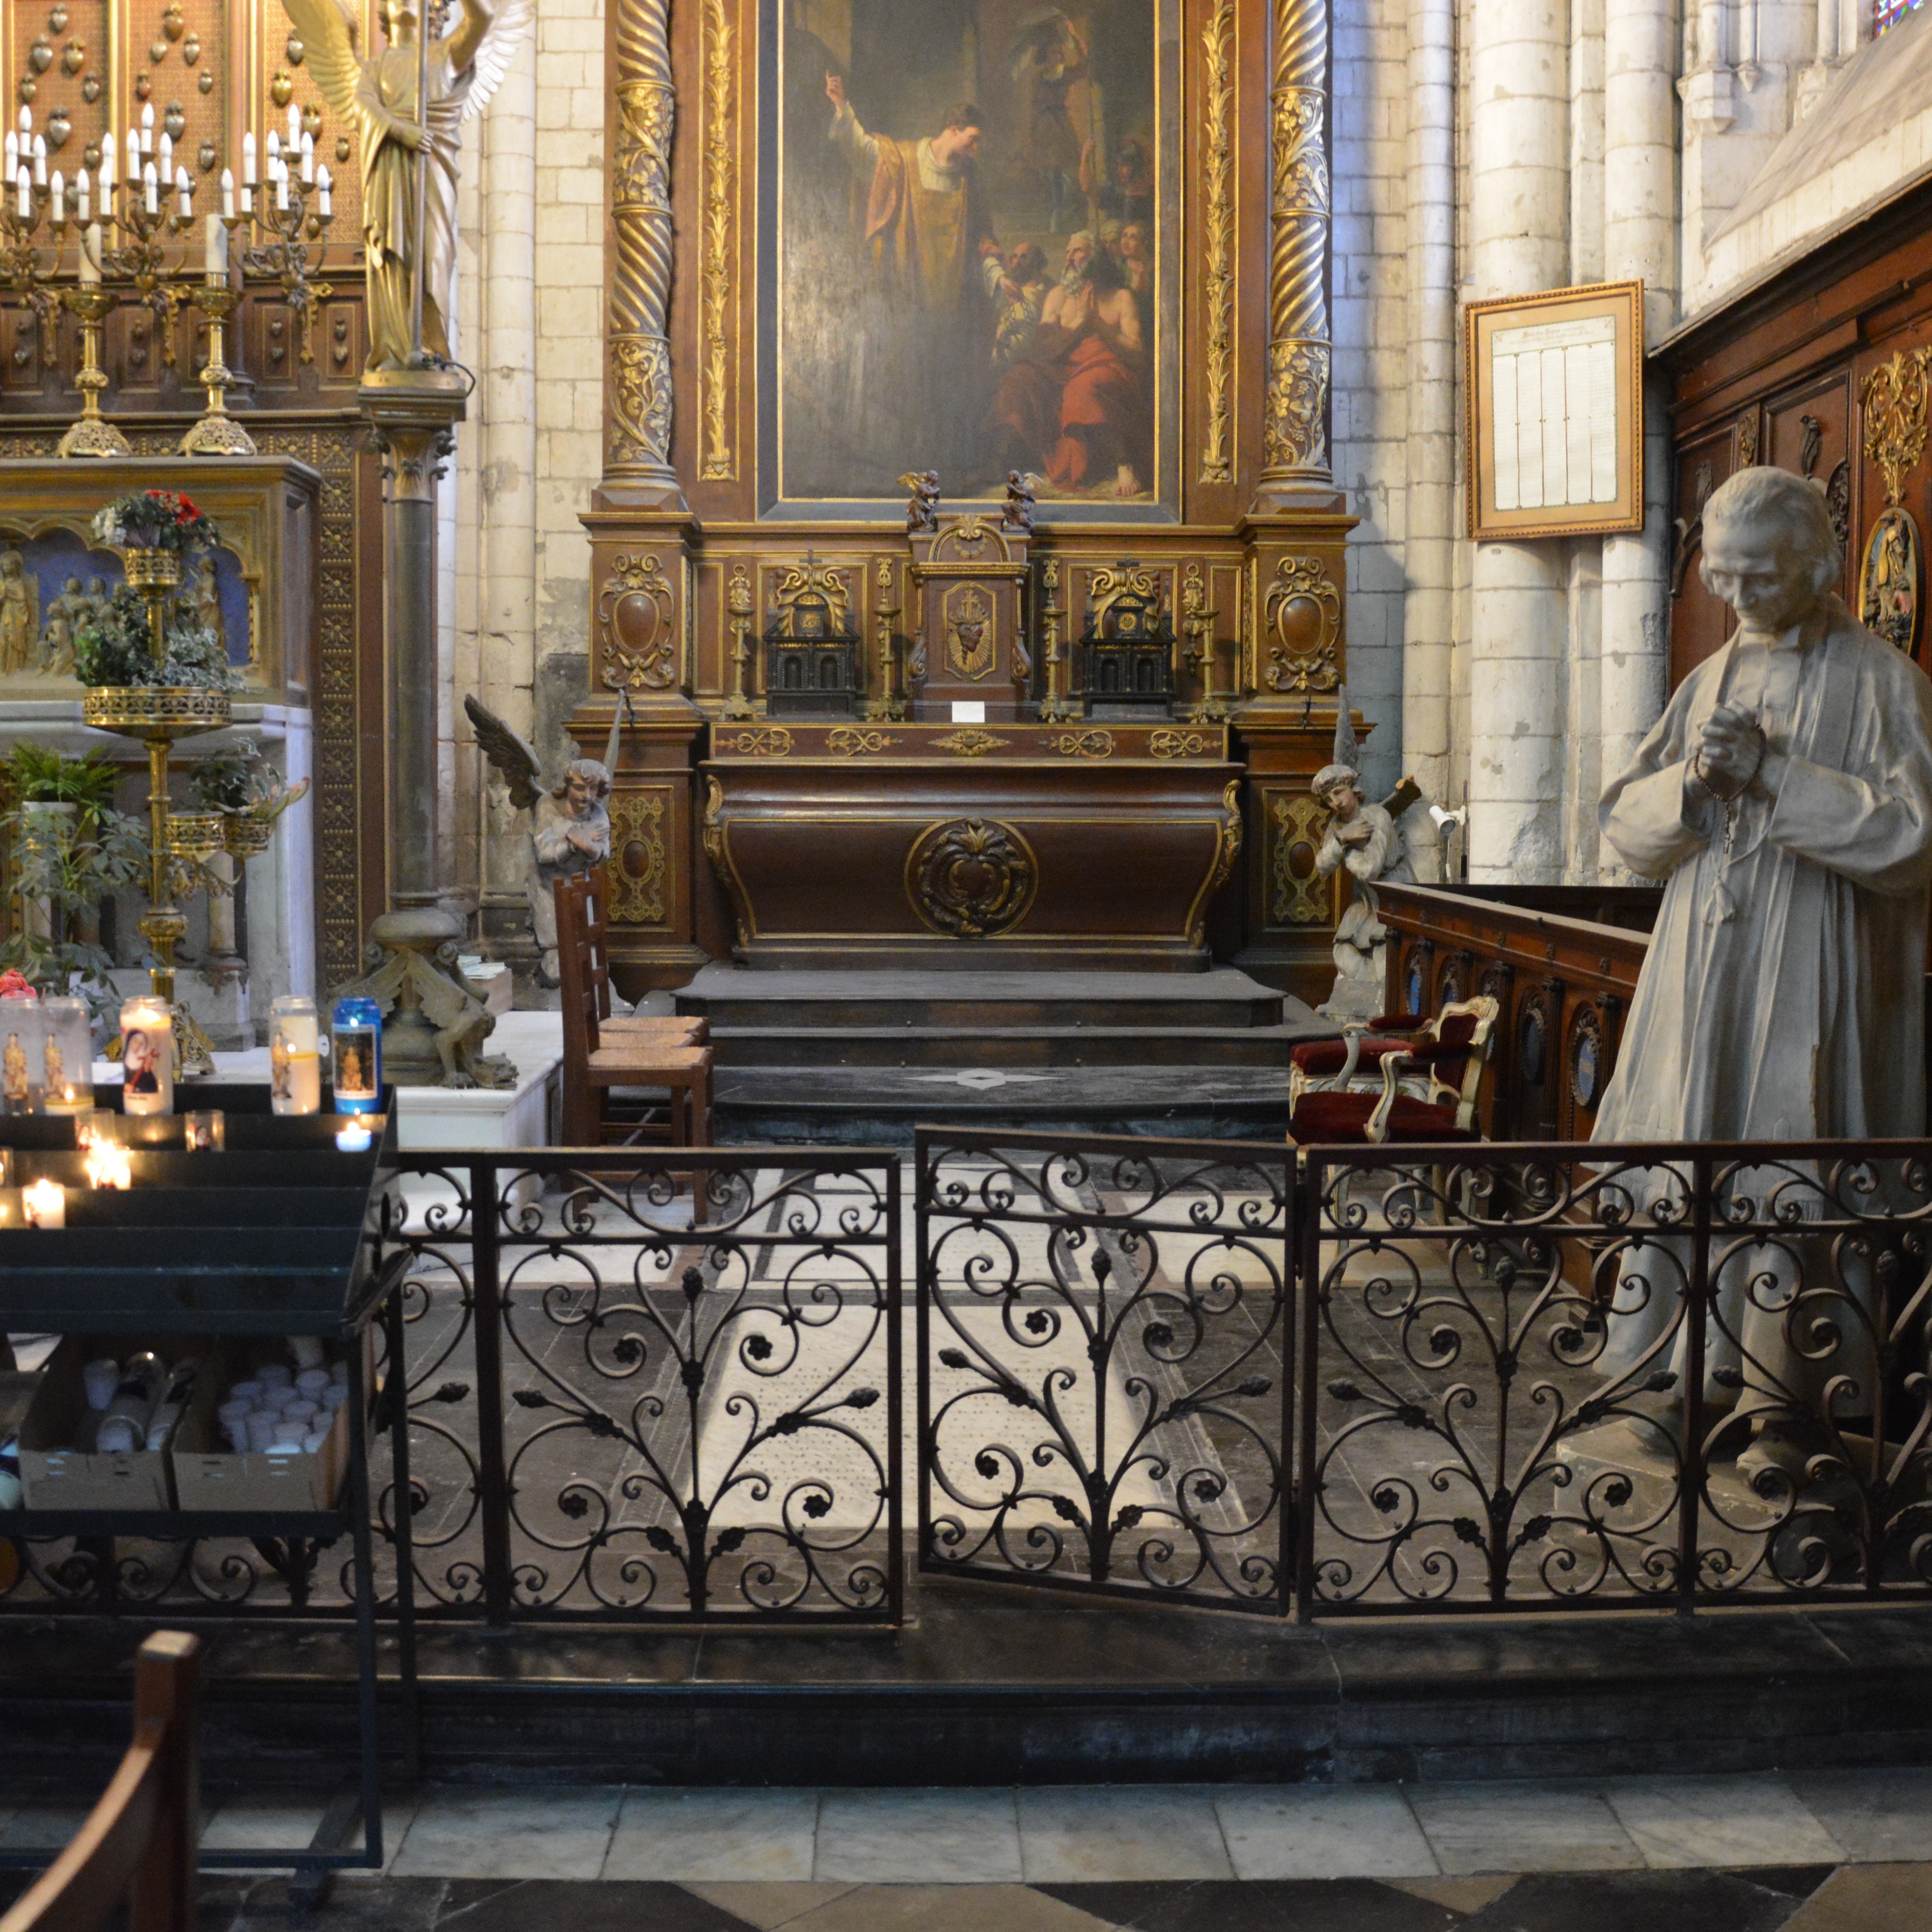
[{"x": 970, "y": 848}]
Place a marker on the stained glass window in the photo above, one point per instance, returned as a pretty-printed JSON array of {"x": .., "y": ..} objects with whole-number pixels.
[{"x": 1888, "y": 13}]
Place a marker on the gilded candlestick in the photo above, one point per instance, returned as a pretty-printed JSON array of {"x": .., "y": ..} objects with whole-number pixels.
[
  {"x": 93, "y": 435},
  {"x": 1197, "y": 624},
  {"x": 1053, "y": 709},
  {"x": 217, "y": 434},
  {"x": 738, "y": 603}
]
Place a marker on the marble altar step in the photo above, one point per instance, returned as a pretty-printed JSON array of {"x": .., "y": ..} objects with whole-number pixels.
[
  {"x": 910, "y": 1045},
  {"x": 859, "y": 1057},
  {"x": 733, "y": 997}
]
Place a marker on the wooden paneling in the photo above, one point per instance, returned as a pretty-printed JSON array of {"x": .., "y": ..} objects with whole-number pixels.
[{"x": 1776, "y": 376}]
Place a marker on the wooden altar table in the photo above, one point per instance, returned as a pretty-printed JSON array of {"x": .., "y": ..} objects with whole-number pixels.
[{"x": 1002, "y": 848}]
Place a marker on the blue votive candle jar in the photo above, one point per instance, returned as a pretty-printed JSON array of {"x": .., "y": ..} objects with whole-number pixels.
[{"x": 356, "y": 1054}]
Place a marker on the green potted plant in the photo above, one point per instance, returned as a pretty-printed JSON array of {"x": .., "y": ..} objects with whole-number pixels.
[
  {"x": 249, "y": 795},
  {"x": 67, "y": 849}
]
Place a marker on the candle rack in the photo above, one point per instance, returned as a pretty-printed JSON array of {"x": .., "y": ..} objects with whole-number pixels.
[
  {"x": 158, "y": 714},
  {"x": 738, "y": 604},
  {"x": 20, "y": 259},
  {"x": 291, "y": 255},
  {"x": 142, "y": 259}
]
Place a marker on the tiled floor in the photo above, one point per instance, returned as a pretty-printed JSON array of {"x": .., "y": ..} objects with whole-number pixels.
[{"x": 1836, "y": 1851}]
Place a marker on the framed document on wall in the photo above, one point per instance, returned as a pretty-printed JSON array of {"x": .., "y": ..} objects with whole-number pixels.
[{"x": 1555, "y": 390}]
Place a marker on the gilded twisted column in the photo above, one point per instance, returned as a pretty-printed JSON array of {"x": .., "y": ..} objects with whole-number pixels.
[
  {"x": 637, "y": 387},
  {"x": 1294, "y": 417}
]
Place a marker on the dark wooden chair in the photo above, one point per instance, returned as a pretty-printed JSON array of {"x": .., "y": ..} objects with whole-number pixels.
[
  {"x": 607, "y": 1061},
  {"x": 138, "y": 1843}
]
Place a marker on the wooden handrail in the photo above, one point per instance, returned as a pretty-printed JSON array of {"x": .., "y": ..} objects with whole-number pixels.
[{"x": 139, "y": 1841}]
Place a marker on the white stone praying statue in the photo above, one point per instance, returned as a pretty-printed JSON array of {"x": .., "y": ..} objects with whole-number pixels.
[{"x": 1785, "y": 798}]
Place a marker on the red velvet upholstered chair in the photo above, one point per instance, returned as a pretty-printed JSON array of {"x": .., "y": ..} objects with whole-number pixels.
[
  {"x": 1425, "y": 1087},
  {"x": 1438, "y": 1050}
]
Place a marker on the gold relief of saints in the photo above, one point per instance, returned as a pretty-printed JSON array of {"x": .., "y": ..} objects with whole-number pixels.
[{"x": 408, "y": 117}]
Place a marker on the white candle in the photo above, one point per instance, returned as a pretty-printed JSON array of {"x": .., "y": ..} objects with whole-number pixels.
[
  {"x": 282, "y": 188},
  {"x": 24, "y": 183},
  {"x": 227, "y": 194},
  {"x": 26, "y": 120},
  {"x": 321, "y": 189},
  {"x": 164, "y": 157},
  {"x": 39, "y": 160},
  {"x": 274, "y": 151},
  {"x": 134, "y": 160},
  {"x": 307, "y": 159},
  {"x": 107, "y": 154},
  {"x": 248, "y": 199},
  {"x": 57, "y": 199},
  {"x": 248, "y": 157},
  {"x": 148, "y": 129},
  {"x": 46, "y": 1204},
  {"x": 183, "y": 194},
  {"x": 90, "y": 254},
  {"x": 150, "y": 189},
  {"x": 352, "y": 1140},
  {"x": 84, "y": 182},
  {"x": 214, "y": 259},
  {"x": 295, "y": 125}
]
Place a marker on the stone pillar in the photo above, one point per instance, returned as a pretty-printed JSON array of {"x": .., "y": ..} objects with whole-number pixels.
[
  {"x": 1640, "y": 237},
  {"x": 414, "y": 413},
  {"x": 1294, "y": 412},
  {"x": 1519, "y": 193},
  {"x": 507, "y": 439},
  {"x": 637, "y": 385},
  {"x": 1429, "y": 603}
]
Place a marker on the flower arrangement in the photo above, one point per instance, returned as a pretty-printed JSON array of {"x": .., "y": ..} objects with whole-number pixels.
[{"x": 154, "y": 520}]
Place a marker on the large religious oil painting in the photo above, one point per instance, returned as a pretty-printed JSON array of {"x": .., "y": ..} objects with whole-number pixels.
[{"x": 975, "y": 214}]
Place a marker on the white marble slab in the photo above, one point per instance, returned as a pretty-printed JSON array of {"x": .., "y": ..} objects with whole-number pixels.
[
  {"x": 541, "y": 1834},
  {"x": 918, "y": 1838},
  {"x": 1522, "y": 1827},
  {"x": 675, "y": 1835},
  {"x": 1070, "y": 1833},
  {"x": 1678, "y": 1822},
  {"x": 1342, "y": 1830}
]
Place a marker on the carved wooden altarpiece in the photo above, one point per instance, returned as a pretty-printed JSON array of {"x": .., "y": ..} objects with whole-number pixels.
[{"x": 727, "y": 139}]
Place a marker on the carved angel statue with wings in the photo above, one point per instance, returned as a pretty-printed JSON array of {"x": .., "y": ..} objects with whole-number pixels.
[
  {"x": 570, "y": 821},
  {"x": 1366, "y": 840},
  {"x": 403, "y": 106}
]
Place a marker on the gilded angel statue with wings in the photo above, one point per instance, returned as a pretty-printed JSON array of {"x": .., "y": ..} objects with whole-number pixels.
[{"x": 407, "y": 104}]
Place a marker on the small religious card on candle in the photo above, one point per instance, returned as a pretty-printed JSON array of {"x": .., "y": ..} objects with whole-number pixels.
[
  {"x": 207, "y": 1133},
  {"x": 147, "y": 1056}
]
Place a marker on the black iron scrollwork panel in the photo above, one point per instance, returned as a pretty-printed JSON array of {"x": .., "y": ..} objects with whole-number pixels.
[
  {"x": 703, "y": 1404},
  {"x": 1101, "y": 1376},
  {"x": 1532, "y": 1380}
]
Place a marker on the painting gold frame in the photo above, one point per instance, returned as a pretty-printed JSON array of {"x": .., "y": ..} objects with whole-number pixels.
[{"x": 1583, "y": 322}]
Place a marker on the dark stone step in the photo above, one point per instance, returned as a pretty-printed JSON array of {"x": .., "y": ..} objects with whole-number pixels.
[
  {"x": 733, "y": 997},
  {"x": 997, "y": 1684},
  {"x": 770, "y": 1046}
]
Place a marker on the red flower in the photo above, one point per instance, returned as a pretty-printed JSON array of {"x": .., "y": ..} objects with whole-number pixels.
[
  {"x": 13, "y": 984},
  {"x": 186, "y": 513}
]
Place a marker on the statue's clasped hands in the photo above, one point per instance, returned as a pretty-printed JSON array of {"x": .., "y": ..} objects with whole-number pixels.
[{"x": 1734, "y": 757}]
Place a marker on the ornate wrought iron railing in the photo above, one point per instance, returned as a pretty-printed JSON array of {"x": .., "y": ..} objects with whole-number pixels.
[
  {"x": 1563, "y": 1377},
  {"x": 1102, "y": 1398},
  {"x": 653, "y": 1387},
  {"x": 666, "y": 1387}
]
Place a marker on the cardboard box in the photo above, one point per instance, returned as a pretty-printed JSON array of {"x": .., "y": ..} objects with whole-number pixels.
[
  {"x": 54, "y": 1475},
  {"x": 209, "y": 1476}
]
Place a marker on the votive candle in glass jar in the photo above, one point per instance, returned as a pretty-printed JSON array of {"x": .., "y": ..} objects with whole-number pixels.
[
  {"x": 67, "y": 1056},
  {"x": 295, "y": 1055},
  {"x": 147, "y": 1056},
  {"x": 205, "y": 1132},
  {"x": 21, "y": 1027},
  {"x": 356, "y": 1054}
]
